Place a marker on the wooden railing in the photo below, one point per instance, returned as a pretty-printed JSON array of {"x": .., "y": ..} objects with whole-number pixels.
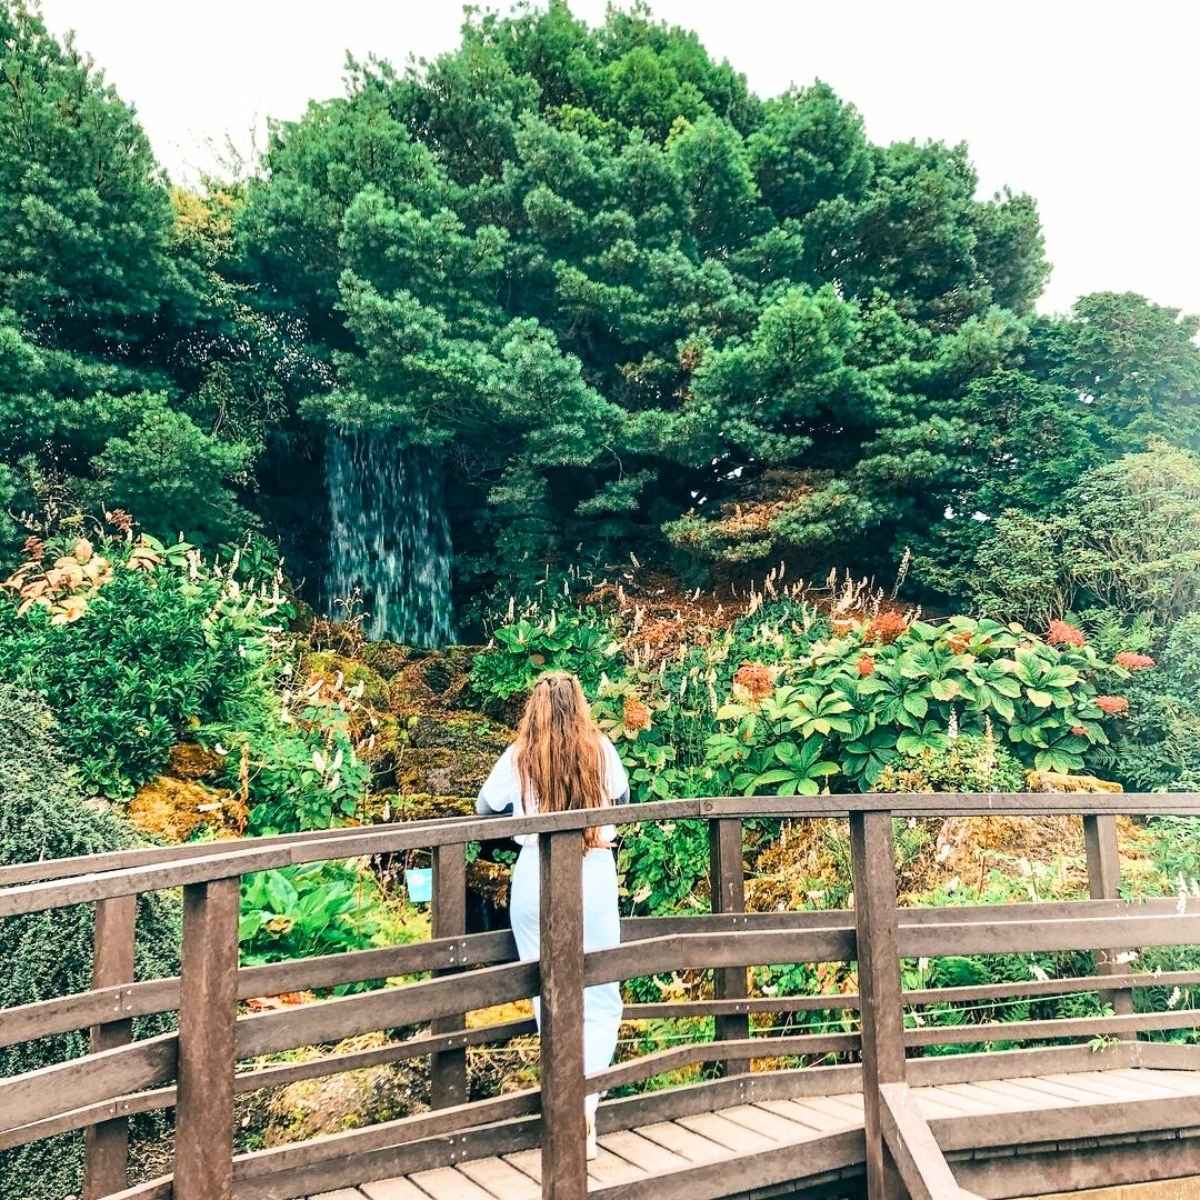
[{"x": 194, "y": 1070}]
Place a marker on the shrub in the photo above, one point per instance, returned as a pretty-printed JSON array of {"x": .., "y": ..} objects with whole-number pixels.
[
  {"x": 43, "y": 815},
  {"x": 579, "y": 641},
  {"x": 164, "y": 643},
  {"x": 970, "y": 763}
]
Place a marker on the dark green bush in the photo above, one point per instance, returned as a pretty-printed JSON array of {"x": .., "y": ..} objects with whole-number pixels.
[{"x": 43, "y": 814}]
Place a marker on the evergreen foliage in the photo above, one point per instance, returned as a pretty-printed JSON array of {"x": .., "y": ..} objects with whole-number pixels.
[{"x": 43, "y": 815}]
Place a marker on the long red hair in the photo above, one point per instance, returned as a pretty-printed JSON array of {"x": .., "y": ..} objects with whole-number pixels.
[{"x": 560, "y": 751}]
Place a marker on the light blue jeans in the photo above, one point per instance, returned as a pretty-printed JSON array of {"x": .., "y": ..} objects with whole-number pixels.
[{"x": 601, "y": 929}]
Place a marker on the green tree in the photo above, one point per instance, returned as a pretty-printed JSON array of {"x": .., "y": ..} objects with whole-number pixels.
[{"x": 99, "y": 298}]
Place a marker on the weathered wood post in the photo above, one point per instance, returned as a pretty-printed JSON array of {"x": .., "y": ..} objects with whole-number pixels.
[
  {"x": 728, "y": 886},
  {"x": 207, "y": 1013},
  {"x": 874, "y": 873},
  {"x": 107, "y": 1143},
  {"x": 448, "y": 1070},
  {"x": 564, "y": 1164},
  {"x": 1104, "y": 883}
]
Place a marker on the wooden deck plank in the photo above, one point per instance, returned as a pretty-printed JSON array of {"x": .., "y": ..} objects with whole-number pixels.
[
  {"x": 767, "y": 1123},
  {"x": 446, "y": 1183},
  {"x": 837, "y": 1106},
  {"x": 826, "y": 1117},
  {"x": 792, "y": 1111},
  {"x": 1021, "y": 1097},
  {"x": 732, "y": 1136},
  {"x": 1186, "y": 1083},
  {"x": 988, "y": 1101},
  {"x": 1090, "y": 1081},
  {"x": 504, "y": 1182},
  {"x": 608, "y": 1167},
  {"x": 684, "y": 1142},
  {"x": 528, "y": 1162},
  {"x": 648, "y": 1156},
  {"x": 963, "y": 1105},
  {"x": 389, "y": 1189},
  {"x": 1108, "y": 1084},
  {"x": 933, "y": 1108},
  {"x": 1050, "y": 1087}
]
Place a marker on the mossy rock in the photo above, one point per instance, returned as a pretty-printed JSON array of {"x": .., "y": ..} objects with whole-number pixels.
[
  {"x": 172, "y": 810},
  {"x": 327, "y": 665},
  {"x": 386, "y": 658},
  {"x": 1052, "y": 781},
  {"x": 424, "y": 806},
  {"x": 381, "y": 750},
  {"x": 458, "y": 733},
  {"x": 443, "y": 771},
  {"x": 349, "y": 1100}
]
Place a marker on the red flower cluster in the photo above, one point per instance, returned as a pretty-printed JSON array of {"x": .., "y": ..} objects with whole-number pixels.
[
  {"x": 754, "y": 680},
  {"x": 959, "y": 642},
  {"x": 1115, "y": 706},
  {"x": 1134, "y": 662},
  {"x": 635, "y": 715},
  {"x": 885, "y": 628},
  {"x": 1062, "y": 634},
  {"x": 866, "y": 666}
]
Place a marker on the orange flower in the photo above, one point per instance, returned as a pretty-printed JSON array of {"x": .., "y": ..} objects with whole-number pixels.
[
  {"x": 866, "y": 666},
  {"x": 886, "y": 628},
  {"x": 1115, "y": 706},
  {"x": 1078, "y": 731},
  {"x": 1134, "y": 662},
  {"x": 960, "y": 642},
  {"x": 636, "y": 716},
  {"x": 1062, "y": 634},
  {"x": 753, "y": 681}
]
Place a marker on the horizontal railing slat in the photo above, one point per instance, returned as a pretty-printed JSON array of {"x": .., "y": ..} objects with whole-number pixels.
[{"x": 191, "y": 867}]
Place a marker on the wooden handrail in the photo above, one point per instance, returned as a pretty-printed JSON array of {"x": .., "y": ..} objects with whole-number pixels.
[{"x": 876, "y": 932}]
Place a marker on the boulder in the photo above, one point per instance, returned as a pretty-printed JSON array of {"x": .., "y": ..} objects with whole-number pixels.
[
  {"x": 386, "y": 658},
  {"x": 443, "y": 771},
  {"x": 318, "y": 1107}
]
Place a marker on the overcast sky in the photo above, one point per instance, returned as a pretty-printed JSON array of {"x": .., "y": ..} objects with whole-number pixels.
[{"x": 1091, "y": 105}]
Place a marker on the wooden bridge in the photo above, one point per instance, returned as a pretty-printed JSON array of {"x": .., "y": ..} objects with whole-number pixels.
[{"x": 1094, "y": 1106}]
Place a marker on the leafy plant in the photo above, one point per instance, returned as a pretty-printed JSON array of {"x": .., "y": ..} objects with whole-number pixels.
[
  {"x": 579, "y": 641},
  {"x": 297, "y": 912}
]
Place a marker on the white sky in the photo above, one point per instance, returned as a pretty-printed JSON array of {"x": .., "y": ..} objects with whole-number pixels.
[{"x": 1091, "y": 105}]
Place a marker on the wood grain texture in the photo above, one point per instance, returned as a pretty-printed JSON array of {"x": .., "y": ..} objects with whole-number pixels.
[
  {"x": 106, "y": 1144},
  {"x": 872, "y": 858},
  {"x": 727, "y": 887},
  {"x": 208, "y": 1009},
  {"x": 564, "y": 1169},
  {"x": 448, "y": 1068}
]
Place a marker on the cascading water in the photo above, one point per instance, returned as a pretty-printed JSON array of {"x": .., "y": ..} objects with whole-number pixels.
[{"x": 389, "y": 538}]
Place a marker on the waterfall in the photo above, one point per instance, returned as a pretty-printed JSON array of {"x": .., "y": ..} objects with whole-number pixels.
[{"x": 389, "y": 538}]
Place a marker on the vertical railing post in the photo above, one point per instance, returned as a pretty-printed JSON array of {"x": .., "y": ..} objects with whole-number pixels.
[
  {"x": 1104, "y": 883},
  {"x": 564, "y": 1163},
  {"x": 107, "y": 1143},
  {"x": 448, "y": 1071},
  {"x": 879, "y": 986},
  {"x": 728, "y": 887},
  {"x": 207, "y": 1013}
]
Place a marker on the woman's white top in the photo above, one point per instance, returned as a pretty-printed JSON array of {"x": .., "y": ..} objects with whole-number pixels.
[{"x": 502, "y": 790}]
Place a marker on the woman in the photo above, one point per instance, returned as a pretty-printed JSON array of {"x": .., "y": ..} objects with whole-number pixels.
[{"x": 562, "y": 761}]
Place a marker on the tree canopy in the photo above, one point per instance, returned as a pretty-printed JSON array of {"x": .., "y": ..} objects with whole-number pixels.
[{"x": 624, "y": 301}]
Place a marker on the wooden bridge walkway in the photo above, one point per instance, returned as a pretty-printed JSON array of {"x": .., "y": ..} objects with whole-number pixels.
[
  {"x": 816, "y": 1142},
  {"x": 1076, "y": 1102}
]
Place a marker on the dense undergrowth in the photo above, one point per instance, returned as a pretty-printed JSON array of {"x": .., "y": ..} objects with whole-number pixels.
[{"x": 230, "y": 710}]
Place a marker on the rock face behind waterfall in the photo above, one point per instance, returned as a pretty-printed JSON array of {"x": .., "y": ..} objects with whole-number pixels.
[{"x": 389, "y": 538}]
